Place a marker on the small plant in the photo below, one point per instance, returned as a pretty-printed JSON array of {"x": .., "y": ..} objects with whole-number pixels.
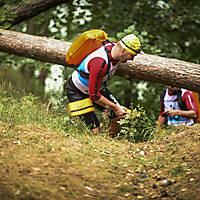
[
  {"x": 76, "y": 126},
  {"x": 176, "y": 171},
  {"x": 137, "y": 126}
]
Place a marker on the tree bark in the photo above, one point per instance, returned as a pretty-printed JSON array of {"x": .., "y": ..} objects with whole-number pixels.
[
  {"x": 163, "y": 70},
  {"x": 145, "y": 67},
  {"x": 36, "y": 47},
  {"x": 30, "y": 9}
]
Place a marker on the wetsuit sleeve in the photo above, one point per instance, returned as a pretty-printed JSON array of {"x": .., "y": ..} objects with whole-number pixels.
[
  {"x": 97, "y": 68},
  {"x": 189, "y": 101}
]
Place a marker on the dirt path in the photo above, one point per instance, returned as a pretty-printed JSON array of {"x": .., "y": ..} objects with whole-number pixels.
[{"x": 38, "y": 164}]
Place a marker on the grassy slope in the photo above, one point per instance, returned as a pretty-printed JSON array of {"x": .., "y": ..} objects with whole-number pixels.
[{"x": 39, "y": 163}]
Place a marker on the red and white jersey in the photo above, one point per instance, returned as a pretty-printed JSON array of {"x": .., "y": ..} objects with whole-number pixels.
[
  {"x": 96, "y": 65},
  {"x": 171, "y": 103}
]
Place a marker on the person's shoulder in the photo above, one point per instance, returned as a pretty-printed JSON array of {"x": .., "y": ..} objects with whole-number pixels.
[
  {"x": 96, "y": 60},
  {"x": 114, "y": 42},
  {"x": 186, "y": 93},
  {"x": 110, "y": 43}
]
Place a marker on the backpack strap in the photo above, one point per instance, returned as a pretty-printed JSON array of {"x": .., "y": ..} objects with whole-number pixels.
[
  {"x": 107, "y": 52},
  {"x": 181, "y": 103},
  {"x": 162, "y": 96}
]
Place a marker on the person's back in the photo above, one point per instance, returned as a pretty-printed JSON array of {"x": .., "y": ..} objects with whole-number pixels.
[{"x": 90, "y": 67}]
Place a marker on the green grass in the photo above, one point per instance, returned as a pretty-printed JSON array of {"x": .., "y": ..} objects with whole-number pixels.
[
  {"x": 44, "y": 155},
  {"x": 28, "y": 109}
]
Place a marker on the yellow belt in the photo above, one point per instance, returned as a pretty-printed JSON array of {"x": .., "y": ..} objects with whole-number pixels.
[{"x": 80, "y": 107}]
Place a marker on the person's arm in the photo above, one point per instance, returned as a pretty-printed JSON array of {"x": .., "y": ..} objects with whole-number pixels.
[
  {"x": 161, "y": 120},
  {"x": 98, "y": 69},
  {"x": 187, "y": 113},
  {"x": 118, "y": 110},
  {"x": 191, "y": 105},
  {"x": 183, "y": 113}
]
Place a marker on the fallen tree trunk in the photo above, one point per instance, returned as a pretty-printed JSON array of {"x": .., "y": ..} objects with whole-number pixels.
[
  {"x": 163, "y": 70},
  {"x": 144, "y": 67},
  {"x": 36, "y": 47}
]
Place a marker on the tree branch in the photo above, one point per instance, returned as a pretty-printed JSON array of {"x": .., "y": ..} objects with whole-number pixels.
[{"x": 28, "y": 10}]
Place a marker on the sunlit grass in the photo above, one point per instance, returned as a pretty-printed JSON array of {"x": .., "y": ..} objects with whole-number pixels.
[
  {"x": 16, "y": 109},
  {"x": 46, "y": 155}
]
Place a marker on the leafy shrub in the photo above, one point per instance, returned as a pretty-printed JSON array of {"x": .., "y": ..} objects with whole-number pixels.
[{"x": 137, "y": 126}]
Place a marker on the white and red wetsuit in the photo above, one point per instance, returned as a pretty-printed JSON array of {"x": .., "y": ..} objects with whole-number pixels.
[
  {"x": 89, "y": 81},
  {"x": 96, "y": 65},
  {"x": 171, "y": 103}
]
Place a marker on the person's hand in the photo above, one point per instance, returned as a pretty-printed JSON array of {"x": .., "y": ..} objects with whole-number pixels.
[
  {"x": 120, "y": 110},
  {"x": 124, "y": 109},
  {"x": 171, "y": 113}
]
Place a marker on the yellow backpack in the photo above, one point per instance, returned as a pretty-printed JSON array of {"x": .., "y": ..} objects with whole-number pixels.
[{"x": 85, "y": 44}]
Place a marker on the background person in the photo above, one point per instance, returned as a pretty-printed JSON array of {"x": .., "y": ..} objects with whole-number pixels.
[
  {"x": 86, "y": 87},
  {"x": 177, "y": 107}
]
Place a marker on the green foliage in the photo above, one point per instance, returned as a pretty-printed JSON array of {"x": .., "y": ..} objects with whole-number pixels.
[
  {"x": 151, "y": 97},
  {"x": 17, "y": 109},
  {"x": 137, "y": 126},
  {"x": 76, "y": 126},
  {"x": 169, "y": 28},
  {"x": 20, "y": 73},
  {"x": 6, "y": 16},
  {"x": 125, "y": 89},
  {"x": 145, "y": 38}
]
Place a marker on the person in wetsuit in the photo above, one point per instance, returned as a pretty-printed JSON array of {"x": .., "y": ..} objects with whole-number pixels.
[
  {"x": 177, "y": 106},
  {"x": 86, "y": 87}
]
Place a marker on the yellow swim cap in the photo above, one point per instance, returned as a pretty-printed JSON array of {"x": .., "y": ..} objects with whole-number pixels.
[{"x": 131, "y": 43}]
